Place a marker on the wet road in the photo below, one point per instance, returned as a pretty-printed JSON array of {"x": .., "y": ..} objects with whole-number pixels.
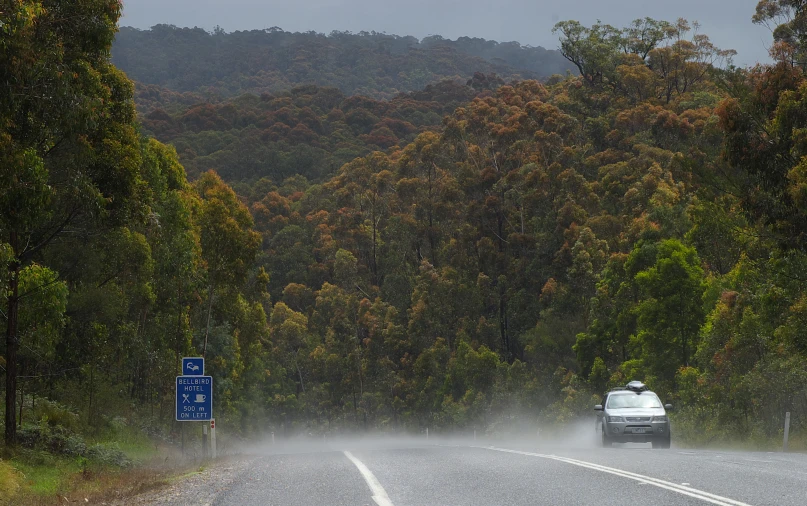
[{"x": 418, "y": 473}]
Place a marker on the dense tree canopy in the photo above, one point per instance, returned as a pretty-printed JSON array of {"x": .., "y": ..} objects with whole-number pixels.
[
  {"x": 308, "y": 131},
  {"x": 377, "y": 65}
]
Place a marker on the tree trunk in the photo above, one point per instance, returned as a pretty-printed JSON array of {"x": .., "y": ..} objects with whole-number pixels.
[
  {"x": 374, "y": 265},
  {"x": 503, "y": 321},
  {"x": 179, "y": 340},
  {"x": 22, "y": 402},
  {"x": 12, "y": 344},
  {"x": 207, "y": 327},
  {"x": 299, "y": 373}
]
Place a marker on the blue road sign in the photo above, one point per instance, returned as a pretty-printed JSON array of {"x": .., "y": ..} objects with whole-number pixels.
[
  {"x": 193, "y": 366},
  {"x": 194, "y": 398}
]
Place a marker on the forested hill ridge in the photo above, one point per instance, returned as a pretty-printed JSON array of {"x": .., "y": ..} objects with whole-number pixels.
[
  {"x": 309, "y": 131},
  {"x": 376, "y": 65}
]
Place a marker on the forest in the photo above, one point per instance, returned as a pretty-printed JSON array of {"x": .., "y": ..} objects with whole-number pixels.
[
  {"x": 308, "y": 131},
  {"x": 486, "y": 253},
  {"x": 377, "y": 65}
]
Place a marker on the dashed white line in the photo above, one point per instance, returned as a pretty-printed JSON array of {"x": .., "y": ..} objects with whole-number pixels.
[
  {"x": 379, "y": 494},
  {"x": 674, "y": 487}
]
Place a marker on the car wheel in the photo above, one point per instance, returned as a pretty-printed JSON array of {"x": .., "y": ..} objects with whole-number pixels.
[
  {"x": 606, "y": 441},
  {"x": 663, "y": 444}
]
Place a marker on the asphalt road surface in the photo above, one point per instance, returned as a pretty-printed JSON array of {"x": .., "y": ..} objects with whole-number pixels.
[{"x": 417, "y": 472}]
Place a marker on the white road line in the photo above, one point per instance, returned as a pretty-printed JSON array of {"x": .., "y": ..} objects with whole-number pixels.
[
  {"x": 379, "y": 494},
  {"x": 674, "y": 487}
]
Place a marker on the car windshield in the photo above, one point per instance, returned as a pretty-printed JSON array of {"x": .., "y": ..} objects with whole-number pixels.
[{"x": 622, "y": 401}]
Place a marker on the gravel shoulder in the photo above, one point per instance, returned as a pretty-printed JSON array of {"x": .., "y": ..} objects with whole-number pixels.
[{"x": 200, "y": 487}]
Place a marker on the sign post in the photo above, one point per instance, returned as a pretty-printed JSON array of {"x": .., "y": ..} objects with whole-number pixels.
[{"x": 194, "y": 400}]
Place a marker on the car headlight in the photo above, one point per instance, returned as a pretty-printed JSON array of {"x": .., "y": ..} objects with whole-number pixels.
[
  {"x": 662, "y": 418},
  {"x": 614, "y": 419}
]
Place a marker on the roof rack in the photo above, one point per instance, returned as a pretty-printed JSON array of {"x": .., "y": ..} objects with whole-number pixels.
[{"x": 636, "y": 386}]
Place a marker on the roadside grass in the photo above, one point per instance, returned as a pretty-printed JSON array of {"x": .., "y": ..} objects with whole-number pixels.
[
  {"x": 43, "y": 474},
  {"x": 66, "y": 486},
  {"x": 44, "y": 479},
  {"x": 728, "y": 440},
  {"x": 9, "y": 482}
]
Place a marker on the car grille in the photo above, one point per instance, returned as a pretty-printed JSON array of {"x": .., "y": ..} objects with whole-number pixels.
[{"x": 637, "y": 418}]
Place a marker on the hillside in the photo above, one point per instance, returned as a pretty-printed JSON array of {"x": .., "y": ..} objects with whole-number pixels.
[
  {"x": 220, "y": 65},
  {"x": 308, "y": 131}
]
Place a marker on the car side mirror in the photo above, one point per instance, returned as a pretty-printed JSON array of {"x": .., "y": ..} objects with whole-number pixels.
[
  {"x": 598, "y": 407},
  {"x": 668, "y": 407}
]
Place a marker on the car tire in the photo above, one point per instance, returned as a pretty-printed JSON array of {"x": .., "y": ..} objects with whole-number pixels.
[
  {"x": 662, "y": 444},
  {"x": 606, "y": 441}
]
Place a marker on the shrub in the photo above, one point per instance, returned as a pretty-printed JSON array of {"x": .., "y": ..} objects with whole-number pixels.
[
  {"x": 108, "y": 455},
  {"x": 57, "y": 439},
  {"x": 56, "y": 414}
]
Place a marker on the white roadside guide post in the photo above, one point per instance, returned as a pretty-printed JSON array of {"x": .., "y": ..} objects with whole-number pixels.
[
  {"x": 787, "y": 430},
  {"x": 204, "y": 441},
  {"x": 213, "y": 438}
]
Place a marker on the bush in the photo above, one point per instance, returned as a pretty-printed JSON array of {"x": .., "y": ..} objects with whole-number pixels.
[
  {"x": 61, "y": 441},
  {"x": 57, "y": 439},
  {"x": 108, "y": 455},
  {"x": 56, "y": 414}
]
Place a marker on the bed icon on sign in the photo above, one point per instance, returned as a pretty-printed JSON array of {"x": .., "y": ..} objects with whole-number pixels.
[{"x": 193, "y": 366}]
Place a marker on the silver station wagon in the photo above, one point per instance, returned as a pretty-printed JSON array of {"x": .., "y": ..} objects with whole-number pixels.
[{"x": 634, "y": 414}]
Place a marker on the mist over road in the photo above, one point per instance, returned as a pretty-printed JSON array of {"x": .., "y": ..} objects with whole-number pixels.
[{"x": 418, "y": 472}]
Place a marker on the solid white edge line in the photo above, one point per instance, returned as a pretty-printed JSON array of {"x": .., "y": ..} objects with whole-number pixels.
[
  {"x": 657, "y": 480},
  {"x": 692, "y": 492},
  {"x": 379, "y": 494}
]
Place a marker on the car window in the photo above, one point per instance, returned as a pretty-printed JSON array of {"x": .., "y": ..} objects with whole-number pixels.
[{"x": 621, "y": 401}]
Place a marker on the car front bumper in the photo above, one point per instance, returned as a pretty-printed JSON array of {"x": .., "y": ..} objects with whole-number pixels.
[{"x": 637, "y": 432}]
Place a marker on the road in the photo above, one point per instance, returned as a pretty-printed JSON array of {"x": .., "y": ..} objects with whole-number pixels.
[{"x": 417, "y": 472}]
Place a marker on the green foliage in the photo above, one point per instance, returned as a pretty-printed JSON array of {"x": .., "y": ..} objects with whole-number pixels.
[
  {"x": 55, "y": 439},
  {"x": 647, "y": 60},
  {"x": 671, "y": 312},
  {"x": 786, "y": 20},
  {"x": 108, "y": 455}
]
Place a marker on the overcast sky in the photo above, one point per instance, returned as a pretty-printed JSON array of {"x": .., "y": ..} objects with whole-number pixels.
[{"x": 727, "y": 22}]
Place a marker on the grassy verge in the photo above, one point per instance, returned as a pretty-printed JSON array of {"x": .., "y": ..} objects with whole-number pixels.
[
  {"x": 45, "y": 486},
  {"x": 797, "y": 443},
  {"x": 40, "y": 478},
  {"x": 693, "y": 431}
]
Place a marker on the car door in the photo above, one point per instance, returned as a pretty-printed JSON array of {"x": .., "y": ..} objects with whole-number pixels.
[{"x": 599, "y": 415}]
